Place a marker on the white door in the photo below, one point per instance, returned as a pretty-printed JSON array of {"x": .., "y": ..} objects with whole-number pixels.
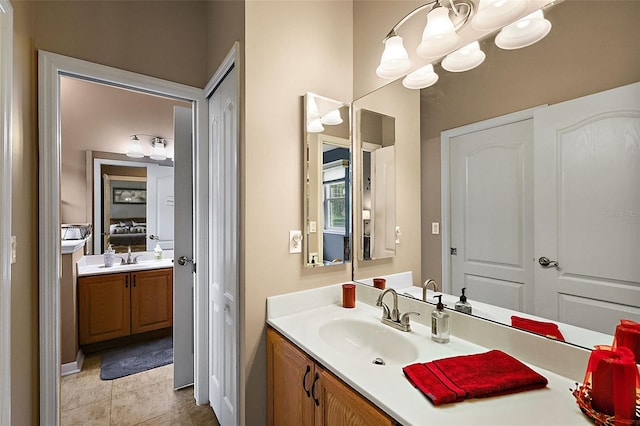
[
  {"x": 383, "y": 182},
  {"x": 491, "y": 241},
  {"x": 224, "y": 250},
  {"x": 160, "y": 205},
  {"x": 587, "y": 209},
  {"x": 183, "y": 272}
]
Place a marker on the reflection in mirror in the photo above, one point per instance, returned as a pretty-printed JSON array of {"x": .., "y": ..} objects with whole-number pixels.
[
  {"x": 327, "y": 186},
  {"x": 132, "y": 202},
  {"x": 376, "y": 139},
  {"x": 593, "y": 242}
]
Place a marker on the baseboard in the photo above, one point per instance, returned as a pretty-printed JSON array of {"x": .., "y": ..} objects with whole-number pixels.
[{"x": 73, "y": 367}]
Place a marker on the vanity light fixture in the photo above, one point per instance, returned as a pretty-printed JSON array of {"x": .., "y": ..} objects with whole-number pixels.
[
  {"x": 135, "y": 148},
  {"x": 332, "y": 118},
  {"x": 159, "y": 152},
  {"x": 445, "y": 18},
  {"x": 158, "y": 144},
  {"x": 315, "y": 126}
]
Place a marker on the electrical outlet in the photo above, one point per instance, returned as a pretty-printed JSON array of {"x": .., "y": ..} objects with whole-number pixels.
[
  {"x": 435, "y": 228},
  {"x": 295, "y": 241}
]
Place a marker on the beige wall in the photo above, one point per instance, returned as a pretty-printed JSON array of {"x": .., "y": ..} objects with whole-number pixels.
[
  {"x": 593, "y": 46},
  {"x": 291, "y": 48},
  {"x": 162, "y": 39},
  {"x": 101, "y": 118}
]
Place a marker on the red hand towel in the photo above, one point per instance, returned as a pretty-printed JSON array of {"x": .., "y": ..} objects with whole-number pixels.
[
  {"x": 472, "y": 376},
  {"x": 548, "y": 329}
]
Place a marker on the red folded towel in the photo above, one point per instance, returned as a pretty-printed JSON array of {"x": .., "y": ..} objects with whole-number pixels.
[
  {"x": 547, "y": 329},
  {"x": 472, "y": 376}
]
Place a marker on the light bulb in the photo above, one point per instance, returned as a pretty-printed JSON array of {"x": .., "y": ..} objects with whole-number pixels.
[
  {"x": 421, "y": 78},
  {"x": 525, "y": 32},
  {"x": 464, "y": 59}
]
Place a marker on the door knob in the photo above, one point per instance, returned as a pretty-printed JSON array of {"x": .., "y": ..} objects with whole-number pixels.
[
  {"x": 154, "y": 237},
  {"x": 547, "y": 263},
  {"x": 183, "y": 260}
]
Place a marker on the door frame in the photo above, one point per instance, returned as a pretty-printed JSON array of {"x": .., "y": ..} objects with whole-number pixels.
[
  {"x": 50, "y": 67},
  {"x": 6, "y": 87},
  {"x": 445, "y": 178}
]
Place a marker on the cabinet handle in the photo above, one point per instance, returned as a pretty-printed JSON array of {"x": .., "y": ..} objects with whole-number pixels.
[
  {"x": 134, "y": 280},
  {"x": 126, "y": 282},
  {"x": 304, "y": 381},
  {"x": 313, "y": 390}
]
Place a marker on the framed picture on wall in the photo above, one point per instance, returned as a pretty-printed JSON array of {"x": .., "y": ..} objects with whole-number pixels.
[{"x": 129, "y": 196}]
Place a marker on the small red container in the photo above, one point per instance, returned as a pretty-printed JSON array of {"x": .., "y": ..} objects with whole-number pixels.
[
  {"x": 348, "y": 295},
  {"x": 380, "y": 283}
]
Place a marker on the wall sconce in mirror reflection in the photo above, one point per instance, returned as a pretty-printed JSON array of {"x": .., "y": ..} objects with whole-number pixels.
[
  {"x": 318, "y": 117},
  {"x": 158, "y": 144},
  {"x": 521, "y": 23}
]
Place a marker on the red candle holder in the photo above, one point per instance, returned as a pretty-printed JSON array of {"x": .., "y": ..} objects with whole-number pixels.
[
  {"x": 628, "y": 336},
  {"x": 348, "y": 295},
  {"x": 380, "y": 283}
]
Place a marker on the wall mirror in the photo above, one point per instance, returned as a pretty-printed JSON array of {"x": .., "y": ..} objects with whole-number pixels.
[
  {"x": 327, "y": 182},
  {"x": 132, "y": 201},
  {"x": 376, "y": 138},
  {"x": 514, "y": 81}
]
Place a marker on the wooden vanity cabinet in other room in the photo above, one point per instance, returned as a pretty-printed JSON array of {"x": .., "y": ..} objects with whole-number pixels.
[
  {"x": 120, "y": 304},
  {"x": 301, "y": 392}
]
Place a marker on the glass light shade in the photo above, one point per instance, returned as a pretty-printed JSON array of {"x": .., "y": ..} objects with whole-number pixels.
[
  {"x": 135, "y": 148},
  {"x": 332, "y": 118},
  {"x": 159, "y": 151},
  {"x": 312, "y": 108},
  {"x": 314, "y": 126},
  {"x": 525, "y": 32},
  {"x": 469, "y": 57},
  {"x": 395, "y": 61},
  {"x": 421, "y": 78},
  {"x": 493, "y": 14},
  {"x": 439, "y": 36}
]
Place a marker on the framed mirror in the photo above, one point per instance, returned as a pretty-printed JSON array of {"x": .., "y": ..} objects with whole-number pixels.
[{"x": 327, "y": 182}]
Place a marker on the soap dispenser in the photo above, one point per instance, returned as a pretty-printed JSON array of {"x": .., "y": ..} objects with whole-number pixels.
[
  {"x": 462, "y": 305},
  {"x": 109, "y": 257},
  {"x": 157, "y": 251},
  {"x": 439, "y": 323}
]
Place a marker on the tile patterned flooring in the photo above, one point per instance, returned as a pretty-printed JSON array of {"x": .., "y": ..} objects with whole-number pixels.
[{"x": 145, "y": 398}]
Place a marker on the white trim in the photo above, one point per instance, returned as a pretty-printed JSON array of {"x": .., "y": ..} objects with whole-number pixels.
[
  {"x": 6, "y": 87},
  {"x": 73, "y": 367},
  {"x": 50, "y": 67},
  {"x": 229, "y": 61},
  {"x": 445, "y": 178}
]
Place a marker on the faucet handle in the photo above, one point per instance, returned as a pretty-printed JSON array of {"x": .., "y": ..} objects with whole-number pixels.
[{"x": 404, "y": 320}]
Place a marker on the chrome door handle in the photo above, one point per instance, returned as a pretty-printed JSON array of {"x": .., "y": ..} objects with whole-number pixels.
[
  {"x": 547, "y": 263},
  {"x": 183, "y": 260},
  {"x": 154, "y": 237}
]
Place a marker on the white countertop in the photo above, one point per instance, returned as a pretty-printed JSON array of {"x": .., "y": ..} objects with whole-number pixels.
[
  {"x": 387, "y": 387},
  {"x": 94, "y": 265}
]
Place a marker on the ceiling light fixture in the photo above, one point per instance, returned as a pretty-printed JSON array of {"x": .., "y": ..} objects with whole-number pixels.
[
  {"x": 440, "y": 38},
  {"x": 158, "y": 144},
  {"x": 159, "y": 151}
]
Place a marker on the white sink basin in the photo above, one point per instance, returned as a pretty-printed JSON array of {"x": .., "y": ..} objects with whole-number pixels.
[{"x": 368, "y": 341}]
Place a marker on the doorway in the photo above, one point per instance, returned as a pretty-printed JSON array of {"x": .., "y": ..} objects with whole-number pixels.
[{"x": 51, "y": 67}]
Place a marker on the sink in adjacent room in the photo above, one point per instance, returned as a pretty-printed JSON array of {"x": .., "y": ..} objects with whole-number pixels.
[{"x": 368, "y": 341}]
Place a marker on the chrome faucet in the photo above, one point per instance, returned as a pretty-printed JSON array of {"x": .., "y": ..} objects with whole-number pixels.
[
  {"x": 425, "y": 285},
  {"x": 392, "y": 317},
  {"x": 130, "y": 260}
]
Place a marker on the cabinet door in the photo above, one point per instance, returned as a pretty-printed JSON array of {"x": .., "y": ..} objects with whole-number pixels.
[
  {"x": 289, "y": 378},
  {"x": 104, "y": 302},
  {"x": 338, "y": 404},
  {"x": 151, "y": 300}
]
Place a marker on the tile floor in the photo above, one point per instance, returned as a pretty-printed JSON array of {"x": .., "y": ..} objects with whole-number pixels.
[{"x": 145, "y": 398}]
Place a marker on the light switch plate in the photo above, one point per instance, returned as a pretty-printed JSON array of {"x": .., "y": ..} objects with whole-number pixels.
[
  {"x": 295, "y": 241},
  {"x": 435, "y": 228},
  {"x": 312, "y": 226}
]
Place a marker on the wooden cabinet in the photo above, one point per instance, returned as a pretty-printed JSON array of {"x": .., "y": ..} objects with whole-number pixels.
[
  {"x": 301, "y": 392},
  {"x": 117, "y": 305}
]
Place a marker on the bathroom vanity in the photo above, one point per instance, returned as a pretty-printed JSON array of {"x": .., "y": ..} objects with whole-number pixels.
[
  {"x": 125, "y": 299},
  {"x": 323, "y": 366}
]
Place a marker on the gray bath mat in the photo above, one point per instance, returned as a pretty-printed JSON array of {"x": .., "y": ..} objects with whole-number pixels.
[{"x": 136, "y": 358}]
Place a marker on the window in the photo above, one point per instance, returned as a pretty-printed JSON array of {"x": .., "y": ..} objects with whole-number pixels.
[{"x": 334, "y": 192}]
